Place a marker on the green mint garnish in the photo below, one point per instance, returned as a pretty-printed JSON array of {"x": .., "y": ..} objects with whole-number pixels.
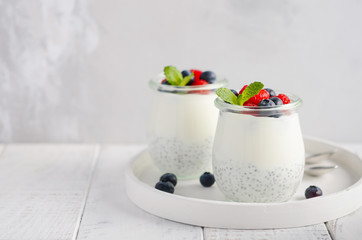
[
  {"x": 186, "y": 80},
  {"x": 249, "y": 92},
  {"x": 173, "y": 76},
  {"x": 227, "y": 95}
]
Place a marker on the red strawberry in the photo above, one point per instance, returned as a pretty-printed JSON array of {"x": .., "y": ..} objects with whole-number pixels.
[
  {"x": 242, "y": 90},
  {"x": 284, "y": 98},
  {"x": 250, "y": 104},
  {"x": 164, "y": 80},
  {"x": 263, "y": 94},
  {"x": 197, "y": 74},
  {"x": 199, "y": 82}
]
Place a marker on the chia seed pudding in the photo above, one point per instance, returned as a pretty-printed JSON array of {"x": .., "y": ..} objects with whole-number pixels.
[
  {"x": 181, "y": 158},
  {"x": 258, "y": 154},
  {"x": 181, "y": 127},
  {"x": 249, "y": 183}
]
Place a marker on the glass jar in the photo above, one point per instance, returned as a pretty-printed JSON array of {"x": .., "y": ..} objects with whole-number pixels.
[
  {"x": 182, "y": 124},
  {"x": 258, "y": 152}
]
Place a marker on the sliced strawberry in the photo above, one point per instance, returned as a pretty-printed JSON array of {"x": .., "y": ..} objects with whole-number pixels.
[
  {"x": 242, "y": 90},
  {"x": 263, "y": 94},
  {"x": 199, "y": 82},
  {"x": 284, "y": 98},
  {"x": 250, "y": 104},
  {"x": 197, "y": 73}
]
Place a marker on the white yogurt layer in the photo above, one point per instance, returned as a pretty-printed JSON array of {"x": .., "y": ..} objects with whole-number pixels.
[
  {"x": 181, "y": 132},
  {"x": 258, "y": 159}
]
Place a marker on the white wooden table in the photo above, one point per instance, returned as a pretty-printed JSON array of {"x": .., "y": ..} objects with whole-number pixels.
[{"x": 75, "y": 191}]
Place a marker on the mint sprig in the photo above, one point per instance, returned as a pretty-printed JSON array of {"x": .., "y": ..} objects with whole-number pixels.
[
  {"x": 250, "y": 91},
  {"x": 174, "y": 76},
  {"x": 186, "y": 80},
  {"x": 227, "y": 95}
]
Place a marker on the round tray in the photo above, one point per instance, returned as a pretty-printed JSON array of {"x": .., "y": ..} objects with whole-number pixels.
[{"x": 193, "y": 204}]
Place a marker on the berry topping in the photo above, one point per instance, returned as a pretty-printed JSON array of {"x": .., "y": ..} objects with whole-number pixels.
[
  {"x": 242, "y": 90},
  {"x": 276, "y": 100},
  {"x": 186, "y": 73},
  {"x": 207, "y": 179},
  {"x": 313, "y": 191},
  {"x": 271, "y": 92},
  {"x": 263, "y": 94},
  {"x": 235, "y": 92},
  {"x": 284, "y": 98},
  {"x": 199, "y": 82},
  {"x": 165, "y": 82},
  {"x": 266, "y": 103},
  {"x": 209, "y": 76},
  {"x": 165, "y": 186},
  {"x": 197, "y": 73},
  {"x": 250, "y": 104},
  {"x": 169, "y": 177}
]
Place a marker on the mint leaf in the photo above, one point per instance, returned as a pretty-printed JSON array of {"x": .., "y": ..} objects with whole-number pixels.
[
  {"x": 249, "y": 92},
  {"x": 227, "y": 95},
  {"x": 173, "y": 76},
  {"x": 186, "y": 80}
]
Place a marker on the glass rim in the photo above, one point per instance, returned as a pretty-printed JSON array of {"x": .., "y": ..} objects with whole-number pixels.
[
  {"x": 155, "y": 83},
  {"x": 295, "y": 104}
]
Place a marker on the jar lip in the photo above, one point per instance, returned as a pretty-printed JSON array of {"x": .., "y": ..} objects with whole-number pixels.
[
  {"x": 155, "y": 83},
  {"x": 295, "y": 104}
]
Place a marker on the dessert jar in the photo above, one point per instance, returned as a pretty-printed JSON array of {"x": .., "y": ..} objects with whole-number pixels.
[
  {"x": 258, "y": 152},
  {"x": 181, "y": 127}
]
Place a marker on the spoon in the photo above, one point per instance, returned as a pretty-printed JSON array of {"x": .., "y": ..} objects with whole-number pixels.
[
  {"x": 317, "y": 171},
  {"x": 315, "y": 158}
]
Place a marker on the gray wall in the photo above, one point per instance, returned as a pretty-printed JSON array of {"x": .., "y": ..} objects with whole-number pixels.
[{"x": 77, "y": 70}]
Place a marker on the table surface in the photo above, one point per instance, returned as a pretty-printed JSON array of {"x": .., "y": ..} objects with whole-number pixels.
[{"x": 77, "y": 191}]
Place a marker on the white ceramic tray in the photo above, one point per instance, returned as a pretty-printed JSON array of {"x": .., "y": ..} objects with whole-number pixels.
[{"x": 193, "y": 204}]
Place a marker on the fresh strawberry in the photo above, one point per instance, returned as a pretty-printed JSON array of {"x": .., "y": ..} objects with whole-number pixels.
[
  {"x": 263, "y": 94},
  {"x": 197, "y": 74},
  {"x": 284, "y": 98},
  {"x": 250, "y": 104},
  {"x": 242, "y": 90},
  {"x": 198, "y": 83},
  {"x": 165, "y": 82}
]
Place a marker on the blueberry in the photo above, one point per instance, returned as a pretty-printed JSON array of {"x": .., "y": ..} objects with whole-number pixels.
[
  {"x": 169, "y": 177},
  {"x": 277, "y": 100},
  {"x": 266, "y": 103},
  {"x": 271, "y": 92},
  {"x": 235, "y": 92},
  {"x": 313, "y": 191},
  {"x": 208, "y": 76},
  {"x": 191, "y": 81},
  {"x": 186, "y": 73},
  {"x": 165, "y": 186},
  {"x": 207, "y": 179}
]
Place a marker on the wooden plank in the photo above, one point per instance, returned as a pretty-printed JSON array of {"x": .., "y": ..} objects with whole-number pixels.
[
  {"x": 109, "y": 214},
  {"x": 318, "y": 231},
  {"x": 348, "y": 227},
  {"x": 43, "y": 189}
]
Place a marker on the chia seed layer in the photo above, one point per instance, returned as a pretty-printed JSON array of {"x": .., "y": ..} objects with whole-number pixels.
[
  {"x": 185, "y": 160},
  {"x": 245, "y": 182}
]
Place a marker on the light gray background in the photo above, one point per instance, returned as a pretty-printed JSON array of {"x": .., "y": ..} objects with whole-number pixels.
[{"x": 77, "y": 70}]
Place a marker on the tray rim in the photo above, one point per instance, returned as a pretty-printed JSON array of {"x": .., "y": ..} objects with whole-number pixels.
[{"x": 133, "y": 182}]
